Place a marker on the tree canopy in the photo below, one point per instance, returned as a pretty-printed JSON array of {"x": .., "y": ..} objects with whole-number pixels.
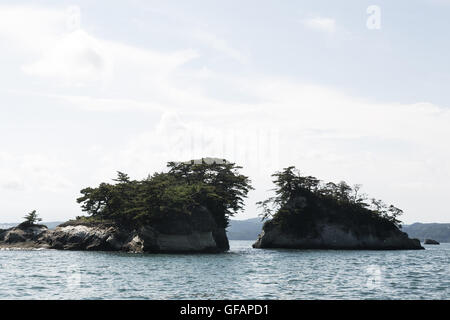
[
  {"x": 32, "y": 218},
  {"x": 293, "y": 189},
  {"x": 220, "y": 188}
]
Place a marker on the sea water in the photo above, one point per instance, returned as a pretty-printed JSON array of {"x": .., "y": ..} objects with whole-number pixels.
[{"x": 241, "y": 273}]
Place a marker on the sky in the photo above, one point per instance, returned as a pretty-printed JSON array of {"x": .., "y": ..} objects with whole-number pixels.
[{"x": 349, "y": 90}]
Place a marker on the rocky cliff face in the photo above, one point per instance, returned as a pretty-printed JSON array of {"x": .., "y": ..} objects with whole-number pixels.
[
  {"x": 144, "y": 239},
  {"x": 335, "y": 236},
  {"x": 430, "y": 241},
  {"x": 23, "y": 235},
  {"x": 198, "y": 233}
]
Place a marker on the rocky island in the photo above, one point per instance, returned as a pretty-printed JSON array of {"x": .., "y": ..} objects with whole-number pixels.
[
  {"x": 23, "y": 236},
  {"x": 306, "y": 213},
  {"x": 199, "y": 233},
  {"x": 186, "y": 209}
]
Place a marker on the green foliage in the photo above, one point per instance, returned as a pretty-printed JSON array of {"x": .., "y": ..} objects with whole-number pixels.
[
  {"x": 32, "y": 218},
  {"x": 298, "y": 194},
  {"x": 165, "y": 195}
]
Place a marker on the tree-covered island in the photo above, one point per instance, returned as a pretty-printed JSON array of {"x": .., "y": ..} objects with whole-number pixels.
[
  {"x": 308, "y": 213},
  {"x": 187, "y": 209},
  {"x": 184, "y": 209},
  {"x": 168, "y": 197}
]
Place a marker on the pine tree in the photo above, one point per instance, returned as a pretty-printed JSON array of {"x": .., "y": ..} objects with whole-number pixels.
[{"x": 32, "y": 218}]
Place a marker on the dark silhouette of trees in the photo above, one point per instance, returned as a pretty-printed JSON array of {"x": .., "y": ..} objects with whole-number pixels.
[
  {"x": 220, "y": 188},
  {"x": 292, "y": 190},
  {"x": 32, "y": 218}
]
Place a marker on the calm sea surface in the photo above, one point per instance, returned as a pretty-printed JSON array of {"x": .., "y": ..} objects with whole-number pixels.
[{"x": 242, "y": 273}]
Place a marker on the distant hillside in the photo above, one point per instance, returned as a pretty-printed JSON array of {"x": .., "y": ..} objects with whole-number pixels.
[
  {"x": 436, "y": 231},
  {"x": 244, "y": 229},
  {"x": 250, "y": 228},
  {"x": 50, "y": 225}
]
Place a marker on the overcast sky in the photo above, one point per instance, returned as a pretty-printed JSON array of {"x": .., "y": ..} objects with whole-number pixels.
[{"x": 341, "y": 90}]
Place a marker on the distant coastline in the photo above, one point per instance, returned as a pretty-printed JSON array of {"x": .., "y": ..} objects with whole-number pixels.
[
  {"x": 249, "y": 229},
  {"x": 50, "y": 224},
  {"x": 189, "y": 209}
]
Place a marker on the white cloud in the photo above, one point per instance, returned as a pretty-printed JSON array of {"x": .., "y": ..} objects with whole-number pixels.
[
  {"x": 387, "y": 147},
  {"x": 121, "y": 76},
  {"x": 33, "y": 172},
  {"x": 220, "y": 45},
  {"x": 74, "y": 56},
  {"x": 90, "y": 103},
  {"x": 323, "y": 24},
  {"x": 396, "y": 150},
  {"x": 30, "y": 28}
]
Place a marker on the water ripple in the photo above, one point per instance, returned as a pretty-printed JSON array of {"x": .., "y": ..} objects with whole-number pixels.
[{"x": 243, "y": 273}]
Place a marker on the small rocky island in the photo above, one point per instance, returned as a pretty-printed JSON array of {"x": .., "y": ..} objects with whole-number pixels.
[
  {"x": 306, "y": 213},
  {"x": 430, "y": 241},
  {"x": 186, "y": 209},
  {"x": 199, "y": 233}
]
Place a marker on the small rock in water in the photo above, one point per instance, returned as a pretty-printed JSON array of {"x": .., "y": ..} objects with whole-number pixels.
[{"x": 430, "y": 241}]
